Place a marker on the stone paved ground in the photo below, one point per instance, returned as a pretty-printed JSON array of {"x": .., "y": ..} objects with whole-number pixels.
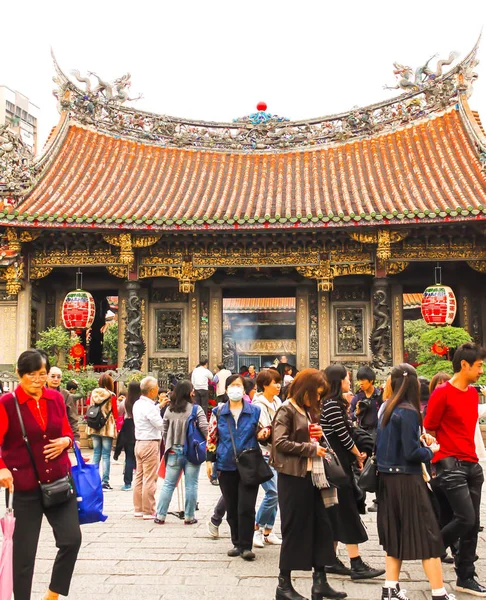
[{"x": 126, "y": 558}]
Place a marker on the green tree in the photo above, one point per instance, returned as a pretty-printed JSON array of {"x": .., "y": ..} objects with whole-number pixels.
[
  {"x": 56, "y": 341},
  {"x": 412, "y": 332},
  {"x": 431, "y": 363},
  {"x": 110, "y": 343}
]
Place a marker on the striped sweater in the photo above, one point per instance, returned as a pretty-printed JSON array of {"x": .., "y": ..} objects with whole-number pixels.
[{"x": 333, "y": 422}]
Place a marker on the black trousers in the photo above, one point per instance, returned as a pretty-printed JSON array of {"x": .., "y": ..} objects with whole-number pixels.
[
  {"x": 64, "y": 521},
  {"x": 202, "y": 398},
  {"x": 307, "y": 535},
  {"x": 462, "y": 485},
  {"x": 219, "y": 512},
  {"x": 240, "y": 503},
  {"x": 130, "y": 463}
]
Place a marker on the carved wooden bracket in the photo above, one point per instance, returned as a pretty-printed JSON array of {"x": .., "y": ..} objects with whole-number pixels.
[
  {"x": 127, "y": 241},
  {"x": 383, "y": 238}
]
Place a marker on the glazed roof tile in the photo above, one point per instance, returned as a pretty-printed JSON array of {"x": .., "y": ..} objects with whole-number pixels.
[
  {"x": 429, "y": 170},
  {"x": 254, "y": 305}
]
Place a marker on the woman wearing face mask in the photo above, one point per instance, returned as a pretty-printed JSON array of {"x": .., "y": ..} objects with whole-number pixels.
[
  {"x": 242, "y": 417},
  {"x": 347, "y": 525}
]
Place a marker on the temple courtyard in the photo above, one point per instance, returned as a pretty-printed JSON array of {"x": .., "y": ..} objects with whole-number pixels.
[{"x": 127, "y": 558}]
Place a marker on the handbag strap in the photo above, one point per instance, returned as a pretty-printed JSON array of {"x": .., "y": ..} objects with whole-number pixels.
[{"x": 26, "y": 439}]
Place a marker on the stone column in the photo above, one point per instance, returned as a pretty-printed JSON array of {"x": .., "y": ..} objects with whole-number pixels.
[
  {"x": 302, "y": 328},
  {"x": 381, "y": 334},
  {"x": 324, "y": 329},
  {"x": 193, "y": 350},
  {"x": 215, "y": 327},
  {"x": 134, "y": 342},
  {"x": 24, "y": 307},
  {"x": 397, "y": 324}
]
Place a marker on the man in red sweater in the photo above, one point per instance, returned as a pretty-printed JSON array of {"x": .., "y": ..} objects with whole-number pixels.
[{"x": 452, "y": 415}]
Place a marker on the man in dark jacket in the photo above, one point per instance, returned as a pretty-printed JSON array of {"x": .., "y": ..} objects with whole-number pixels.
[
  {"x": 54, "y": 383},
  {"x": 366, "y": 403}
]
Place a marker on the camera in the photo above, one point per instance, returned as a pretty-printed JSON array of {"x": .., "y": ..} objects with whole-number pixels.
[{"x": 364, "y": 405}]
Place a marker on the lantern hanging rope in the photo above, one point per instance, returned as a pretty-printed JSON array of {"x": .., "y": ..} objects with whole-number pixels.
[{"x": 439, "y": 303}]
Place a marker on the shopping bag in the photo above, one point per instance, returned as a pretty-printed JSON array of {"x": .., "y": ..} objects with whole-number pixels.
[
  {"x": 6, "y": 557},
  {"x": 89, "y": 492}
]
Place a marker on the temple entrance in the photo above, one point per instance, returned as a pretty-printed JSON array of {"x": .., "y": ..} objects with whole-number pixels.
[{"x": 258, "y": 331}]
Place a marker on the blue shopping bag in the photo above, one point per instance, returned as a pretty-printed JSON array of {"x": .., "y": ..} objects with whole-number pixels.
[{"x": 89, "y": 492}]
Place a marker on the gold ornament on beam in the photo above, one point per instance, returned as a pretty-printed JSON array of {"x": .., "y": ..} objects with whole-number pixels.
[
  {"x": 393, "y": 268},
  {"x": 477, "y": 265},
  {"x": 39, "y": 272},
  {"x": 118, "y": 271},
  {"x": 322, "y": 273},
  {"x": 124, "y": 241},
  {"x": 13, "y": 240},
  {"x": 187, "y": 274},
  {"x": 14, "y": 275}
]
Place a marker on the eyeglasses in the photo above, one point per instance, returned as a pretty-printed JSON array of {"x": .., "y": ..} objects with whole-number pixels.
[{"x": 36, "y": 377}]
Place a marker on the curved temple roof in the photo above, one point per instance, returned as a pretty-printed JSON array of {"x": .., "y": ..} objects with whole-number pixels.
[{"x": 419, "y": 156}]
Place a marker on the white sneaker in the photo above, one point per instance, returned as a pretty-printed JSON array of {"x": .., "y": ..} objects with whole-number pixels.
[
  {"x": 213, "y": 530},
  {"x": 258, "y": 539},
  {"x": 138, "y": 514},
  {"x": 149, "y": 517},
  {"x": 272, "y": 539}
]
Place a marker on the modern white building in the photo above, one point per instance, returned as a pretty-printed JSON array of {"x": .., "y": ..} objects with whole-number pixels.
[{"x": 22, "y": 115}]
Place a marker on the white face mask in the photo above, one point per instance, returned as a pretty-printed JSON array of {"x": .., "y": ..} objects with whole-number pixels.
[{"x": 235, "y": 393}]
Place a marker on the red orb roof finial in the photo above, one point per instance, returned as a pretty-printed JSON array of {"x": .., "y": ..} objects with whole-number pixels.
[{"x": 262, "y": 106}]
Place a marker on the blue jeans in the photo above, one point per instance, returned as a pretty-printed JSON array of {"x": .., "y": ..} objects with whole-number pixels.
[
  {"x": 176, "y": 464},
  {"x": 267, "y": 513},
  {"x": 102, "y": 450}
]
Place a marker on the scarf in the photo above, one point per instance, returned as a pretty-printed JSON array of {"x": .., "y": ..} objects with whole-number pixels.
[{"x": 319, "y": 479}]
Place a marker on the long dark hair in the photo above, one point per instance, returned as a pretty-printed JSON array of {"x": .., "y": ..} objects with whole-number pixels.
[
  {"x": 305, "y": 386},
  {"x": 335, "y": 375},
  {"x": 133, "y": 394},
  {"x": 181, "y": 396},
  {"x": 405, "y": 388}
]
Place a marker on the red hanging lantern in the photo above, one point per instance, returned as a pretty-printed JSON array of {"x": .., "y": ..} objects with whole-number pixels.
[
  {"x": 78, "y": 309},
  {"x": 439, "y": 304}
]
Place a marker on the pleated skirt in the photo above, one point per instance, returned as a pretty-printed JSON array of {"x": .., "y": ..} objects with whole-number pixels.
[{"x": 407, "y": 524}]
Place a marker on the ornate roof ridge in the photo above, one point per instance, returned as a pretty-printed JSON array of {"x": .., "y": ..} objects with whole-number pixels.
[{"x": 103, "y": 109}]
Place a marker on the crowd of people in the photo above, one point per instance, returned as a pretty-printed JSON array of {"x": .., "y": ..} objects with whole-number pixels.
[{"x": 304, "y": 437}]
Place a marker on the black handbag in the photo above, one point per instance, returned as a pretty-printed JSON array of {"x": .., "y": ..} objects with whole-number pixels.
[
  {"x": 335, "y": 473},
  {"x": 368, "y": 479},
  {"x": 251, "y": 465},
  {"x": 56, "y": 492}
]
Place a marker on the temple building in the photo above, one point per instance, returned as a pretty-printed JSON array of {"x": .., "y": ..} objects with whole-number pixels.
[{"x": 246, "y": 240}]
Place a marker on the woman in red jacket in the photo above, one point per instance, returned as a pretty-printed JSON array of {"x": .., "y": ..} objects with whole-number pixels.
[{"x": 49, "y": 434}]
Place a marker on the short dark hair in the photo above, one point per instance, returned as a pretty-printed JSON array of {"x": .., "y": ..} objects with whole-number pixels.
[
  {"x": 470, "y": 353},
  {"x": 366, "y": 373},
  {"x": 249, "y": 384},
  {"x": 232, "y": 378},
  {"x": 29, "y": 361},
  {"x": 265, "y": 378},
  {"x": 203, "y": 361},
  {"x": 71, "y": 385},
  {"x": 220, "y": 366}
]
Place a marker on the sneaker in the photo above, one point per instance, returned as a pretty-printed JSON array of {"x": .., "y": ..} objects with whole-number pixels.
[
  {"x": 338, "y": 568},
  {"x": 190, "y": 522},
  {"x": 126, "y": 488},
  {"x": 470, "y": 586},
  {"x": 234, "y": 552},
  {"x": 445, "y": 596},
  {"x": 149, "y": 517},
  {"x": 158, "y": 521},
  {"x": 446, "y": 559},
  {"x": 214, "y": 482},
  {"x": 106, "y": 486},
  {"x": 247, "y": 555},
  {"x": 272, "y": 539},
  {"x": 139, "y": 515},
  {"x": 361, "y": 570},
  {"x": 213, "y": 530},
  {"x": 393, "y": 593},
  {"x": 258, "y": 539}
]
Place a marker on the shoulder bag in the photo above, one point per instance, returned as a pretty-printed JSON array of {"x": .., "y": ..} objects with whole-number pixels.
[
  {"x": 56, "y": 492},
  {"x": 335, "y": 473},
  {"x": 368, "y": 479},
  {"x": 251, "y": 465}
]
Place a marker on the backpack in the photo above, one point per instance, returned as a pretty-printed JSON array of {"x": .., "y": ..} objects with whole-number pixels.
[
  {"x": 195, "y": 446},
  {"x": 95, "y": 418}
]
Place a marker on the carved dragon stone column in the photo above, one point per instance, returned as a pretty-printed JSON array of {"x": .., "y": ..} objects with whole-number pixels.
[
  {"x": 381, "y": 334},
  {"x": 134, "y": 342}
]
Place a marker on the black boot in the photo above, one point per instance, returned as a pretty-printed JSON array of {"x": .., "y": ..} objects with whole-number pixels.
[
  {"x": 285, "y": 589},
  {"x": 361, "y": 570},
  {"x": 321, "y": 589}
]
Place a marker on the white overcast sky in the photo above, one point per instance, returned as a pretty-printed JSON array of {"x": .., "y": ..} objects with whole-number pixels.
[{"x": 216, "y": 59}]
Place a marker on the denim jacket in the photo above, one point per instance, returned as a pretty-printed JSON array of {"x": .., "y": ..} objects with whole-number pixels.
[
  {"x": 398, "y": 447},
  {"x": 219, "y": 446}
]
